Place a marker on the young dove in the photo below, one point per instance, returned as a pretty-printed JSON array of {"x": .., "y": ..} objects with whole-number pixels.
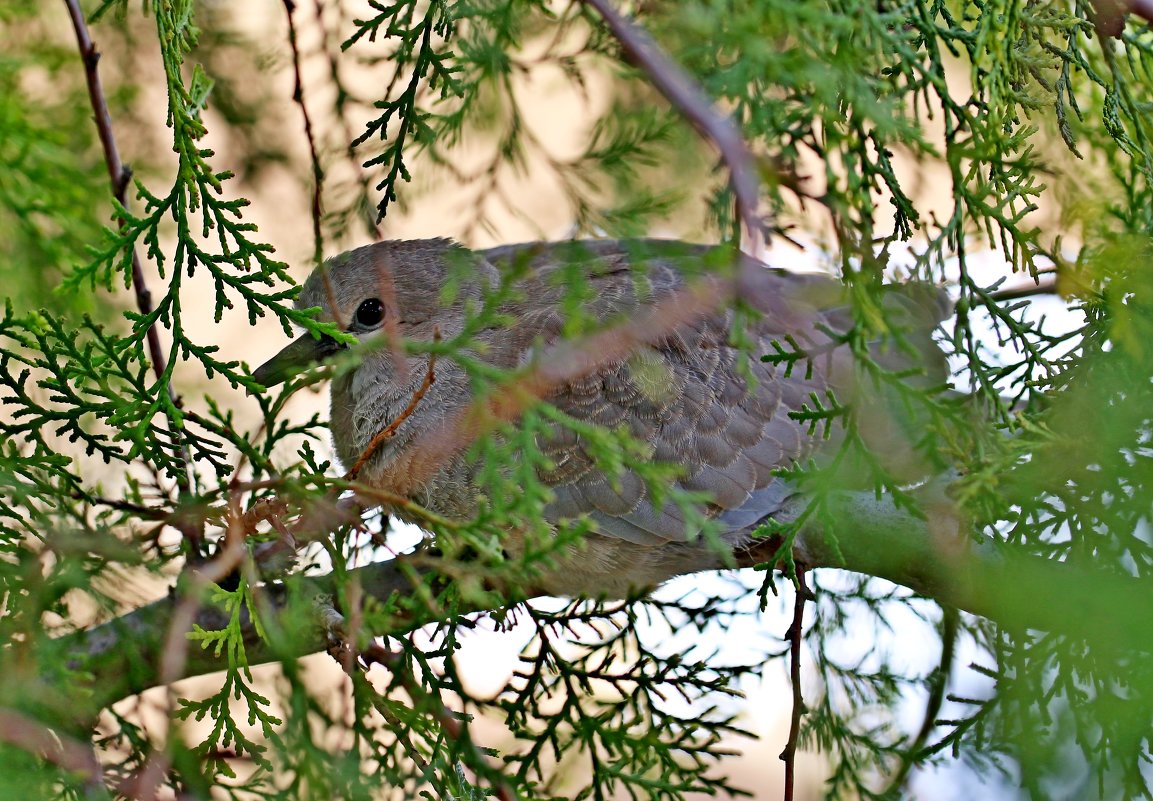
[{"x": 688, "y": 391}]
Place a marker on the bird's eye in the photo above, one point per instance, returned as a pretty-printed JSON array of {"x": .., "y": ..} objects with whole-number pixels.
[{"x": 370, "y": 313}]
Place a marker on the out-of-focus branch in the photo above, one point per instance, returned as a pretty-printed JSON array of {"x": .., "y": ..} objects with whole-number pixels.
[
  {"x": 689, "y": 99},
  {"x": 390, "y": 430},
  {"x": 1109, "y": 16},
  {"x": 1002, "y": 582},
  {"x": 58, "y": 748},
  {"x": 1023, "y": 291},
  {"x": 317, "y": 170},
  {"x": 120, "y": 174},
  {"x": 557, "y": 365}
]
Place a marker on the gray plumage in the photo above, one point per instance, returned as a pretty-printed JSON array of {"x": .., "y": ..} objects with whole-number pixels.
[{"x": 687, "y": 394}]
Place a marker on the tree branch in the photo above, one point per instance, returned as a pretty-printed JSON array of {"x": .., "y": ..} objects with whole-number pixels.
[
  {"x": 314, "y": 157},
  {"x": 1002, "y": 582},
  {"x": 689, "y": 99},
  {"x": 796, "y": 637},
  {"x": 58, "y": 748},
  {"x": 120, "y": 175}
]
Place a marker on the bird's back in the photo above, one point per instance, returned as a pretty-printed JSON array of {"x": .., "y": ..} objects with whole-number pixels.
[{"x": 699, "y": 397}]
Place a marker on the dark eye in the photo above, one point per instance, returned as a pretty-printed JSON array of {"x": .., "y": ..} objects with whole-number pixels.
[{"x": 370, "y": 313}]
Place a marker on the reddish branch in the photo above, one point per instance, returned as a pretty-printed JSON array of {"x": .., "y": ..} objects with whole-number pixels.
[
  {"x": 317, "y": 170},
  {"x": 120, "y": 174},
  {"x": 390, "y": 430},
  {"x": 689, "y": 99},
  {"x": 1109, "y": 16},
  {"x": 59, "y": 749}
]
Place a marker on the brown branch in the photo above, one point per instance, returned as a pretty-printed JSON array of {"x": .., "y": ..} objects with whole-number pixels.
[
  {"x": 795, "y": 637},
  {"x": 61, "y": 750},
  {"x": 683, "y": 92},
  {"x": 390, "y": 430},
  {"x": 317, "y": 170},
  {"x": 1142, "y": 8},
  {"x": 120, "y": 175},
  {"x": 346, "y": 127}
]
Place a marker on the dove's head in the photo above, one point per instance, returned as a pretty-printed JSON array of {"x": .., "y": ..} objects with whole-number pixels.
[{"x": 384, "y": 294}]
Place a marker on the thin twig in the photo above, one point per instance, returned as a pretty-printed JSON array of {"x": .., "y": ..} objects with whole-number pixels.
[
  {"x": 390, "y": 430},
  {"x": 795, "y": 636},
  {"x": 121, "y": 177},
  {"x": 1025, "y": 291},
  {"x": 61, "y": 750},
  {"x": 141, "y": 511},
  {"x": 397, "y": 502},
  {"x": 120, "y": 174},
  {"x": 342, "y": 97},
  {"x": 683, "y": 92},
  {"x": 317, "y": 170}
]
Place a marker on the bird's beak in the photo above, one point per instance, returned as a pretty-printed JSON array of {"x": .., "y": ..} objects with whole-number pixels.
[{"x": 303, "y": 352}]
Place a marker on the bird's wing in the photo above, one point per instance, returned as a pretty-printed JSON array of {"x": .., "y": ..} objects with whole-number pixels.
[{"x": 719, "y": 414}]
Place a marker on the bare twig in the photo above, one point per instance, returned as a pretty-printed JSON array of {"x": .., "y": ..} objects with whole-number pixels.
[
  {"x": 1023, "y": 291},
  {"x": 121, "y": 177},
  {"x": 120, "y": 174},
  {"x": 689, "y": 99},
  {"x": 795, "y": 636},
  {"x": 342, "y": 97},
  {"x": 317, "y": 170},
  {"x": 390, "y": 430},
  {"x": 34, "y": 737}
]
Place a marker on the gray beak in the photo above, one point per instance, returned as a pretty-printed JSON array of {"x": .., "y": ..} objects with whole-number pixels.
[{"x": 303, "y": 352}]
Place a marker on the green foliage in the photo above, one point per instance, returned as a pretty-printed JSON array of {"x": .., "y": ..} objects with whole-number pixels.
[{"x": 112, "y": 470}]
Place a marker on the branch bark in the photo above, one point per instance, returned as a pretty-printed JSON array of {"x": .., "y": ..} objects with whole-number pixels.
[
  {"x": 120, "y": 175},
  {"x": 1002, "y": 582},
  {"x": 693, "y": 103}
]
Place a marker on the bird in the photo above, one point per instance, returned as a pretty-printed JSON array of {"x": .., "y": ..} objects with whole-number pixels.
[{"x": 695, "y": 394}]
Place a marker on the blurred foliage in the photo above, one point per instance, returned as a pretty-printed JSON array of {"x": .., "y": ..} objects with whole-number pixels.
[{"x": 109, "y": 469}]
